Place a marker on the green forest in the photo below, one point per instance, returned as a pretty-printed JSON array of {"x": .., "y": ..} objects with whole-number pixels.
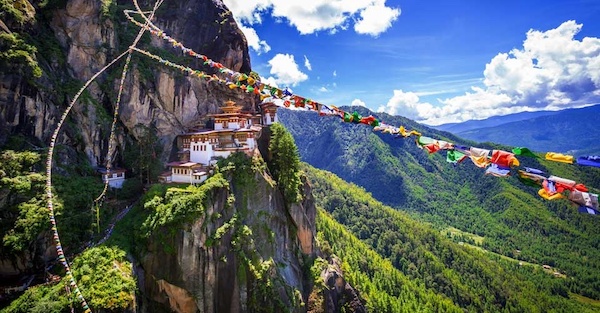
[
  {"x": 500, "y": 215},
  {"x": 386, "y": 250}
]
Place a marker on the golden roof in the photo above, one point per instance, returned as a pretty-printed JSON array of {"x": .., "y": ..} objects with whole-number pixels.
[{"x": 230, "y": 107}]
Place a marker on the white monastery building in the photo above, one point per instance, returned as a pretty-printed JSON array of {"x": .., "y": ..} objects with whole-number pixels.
[
  {"x": 233, "y": 131},
  {"x": 115, "y": 177}
]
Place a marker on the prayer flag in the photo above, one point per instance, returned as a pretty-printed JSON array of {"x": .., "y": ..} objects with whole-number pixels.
[
  {"x": 544, "y": 194},
  {"x": 559, "y": 157},
  {"x": 524, "y": 152},
  {"x": 584, "y": 199},
  {"x": 453, "y": 156},
  {"x": 534, "y": 170},
  {"x": 530, "y": 179},
  {"x": 504, "y": 159},
  {"x": 498, "y": 171},
  {"x": 480, "y": 157},
  {"x": 584, "y": 209},
  {"x": 589, "y": 160}
]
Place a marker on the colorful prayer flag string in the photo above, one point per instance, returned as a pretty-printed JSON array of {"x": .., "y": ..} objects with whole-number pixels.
[{"x": 498, "y": 164}]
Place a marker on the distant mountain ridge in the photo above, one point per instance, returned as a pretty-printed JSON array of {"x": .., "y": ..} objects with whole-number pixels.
[
  {"x": 458, "y": 128},
  {"x": 573, "y": 131}
]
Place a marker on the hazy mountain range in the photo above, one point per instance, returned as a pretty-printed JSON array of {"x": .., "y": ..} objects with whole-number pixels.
[{"x": 573, "y": 131}]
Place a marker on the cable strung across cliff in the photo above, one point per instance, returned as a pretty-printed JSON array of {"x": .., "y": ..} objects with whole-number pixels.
[{"x": 55, "y": 235}]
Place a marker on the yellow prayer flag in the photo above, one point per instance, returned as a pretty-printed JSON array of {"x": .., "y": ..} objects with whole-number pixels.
[{"x": 559, "y": 157}]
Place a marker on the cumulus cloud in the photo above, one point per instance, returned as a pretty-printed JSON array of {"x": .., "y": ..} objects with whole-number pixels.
[
  {"x": 271, "y": 81},
  {"x": 323, "y": 89},
  {"x": 254, "y": 41},
  {"x": 319, "y": 15},
  {"x": 334, "y": 73},
  {"x": 358, "y": 102},
  {"x": 408, "y": 105},
  {"x": 376, "y": 19},
  {"x": 552, "y": 70},
  {"x": 307, "y": 64},
  {"x": 286, "y": 70},
  {"x": 248, "y": 11}
]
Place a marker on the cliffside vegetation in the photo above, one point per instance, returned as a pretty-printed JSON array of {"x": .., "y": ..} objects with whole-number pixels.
[{"x": 105, "y": 278}]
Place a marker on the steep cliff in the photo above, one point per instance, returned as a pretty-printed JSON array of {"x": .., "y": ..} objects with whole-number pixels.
[
  {"x": 243, "y": 249},
  {"x": 70, "y": 41},
  {"x": 49, "y": 49}
]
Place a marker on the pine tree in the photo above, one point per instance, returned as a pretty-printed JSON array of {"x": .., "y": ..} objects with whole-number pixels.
[{"x": 285, "y": 163}]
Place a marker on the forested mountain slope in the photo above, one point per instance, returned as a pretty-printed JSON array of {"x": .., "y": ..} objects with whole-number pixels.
[
  {"x": 499, "y": 214},
  {"x": 355, "y": 225},
  {"x": 572, "y": 131}
]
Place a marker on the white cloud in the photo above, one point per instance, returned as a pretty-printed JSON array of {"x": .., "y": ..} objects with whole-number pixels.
[
  {"x": 552, "y": 70},
  {"x": 408, "y": 105},
  {"x": 334, "y": 73},
  {"x": 376, "y": 19},
  {"x": 323, "y": 89},
  {"x": 271, "y": 81},
  {"x": 307, "y": 64},
  {"x": 285, "y": 70},
  {"x": 248, "y": 11},
  {"x": 358, "y": 102},
  {"x": 254, "y": 41},
  {"x": 319, "y": 15}
]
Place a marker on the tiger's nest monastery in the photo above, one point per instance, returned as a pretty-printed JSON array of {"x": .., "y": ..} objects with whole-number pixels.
[{"x": 233, "y": 131}]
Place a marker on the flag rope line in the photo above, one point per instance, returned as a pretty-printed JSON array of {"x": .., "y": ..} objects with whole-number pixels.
[
  {"x": 49, "y": 195},
  {"x": 500, "y": 162}
]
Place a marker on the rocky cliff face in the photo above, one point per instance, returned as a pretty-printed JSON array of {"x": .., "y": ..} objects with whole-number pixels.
[
  {"x": 249, "y": 252},
  {"x": 263, "y": 244},
  {"x": 74, "y": 40},
  {"x": 84, "y": 40}
]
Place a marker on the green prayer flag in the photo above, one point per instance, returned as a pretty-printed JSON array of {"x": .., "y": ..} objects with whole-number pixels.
[
  {"x": 347, "y": 117},
  {"x": 524, "y": 152},
  {"x": 422, "y": 140},
  {"x": 356, "y": 117},
  {"x": 453, "y": 156}
]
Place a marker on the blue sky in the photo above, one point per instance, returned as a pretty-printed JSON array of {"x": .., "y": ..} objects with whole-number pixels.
[{"x": 432, "y": 61}]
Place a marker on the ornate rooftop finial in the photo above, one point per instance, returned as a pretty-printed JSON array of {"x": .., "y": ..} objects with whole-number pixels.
[{"x": 230, "y": 107}]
